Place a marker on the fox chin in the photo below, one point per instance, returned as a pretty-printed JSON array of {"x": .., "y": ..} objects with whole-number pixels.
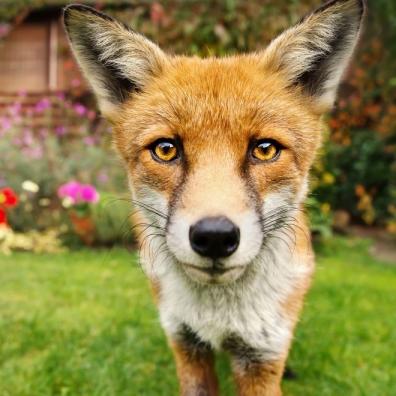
[{"x": 217, "y": 153}]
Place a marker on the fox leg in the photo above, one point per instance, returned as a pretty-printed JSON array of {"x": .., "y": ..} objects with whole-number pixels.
[
  {"x": 259, "y": 379},
  {"x": 255, "y": 375},
  {"x": 194, "y": 365}
]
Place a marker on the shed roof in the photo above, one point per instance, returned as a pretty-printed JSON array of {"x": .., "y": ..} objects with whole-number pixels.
[{"x": 10, "y": 10}]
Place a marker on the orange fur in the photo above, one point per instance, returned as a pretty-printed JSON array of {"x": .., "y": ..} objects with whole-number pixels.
[{"x": 217, "y": 108}]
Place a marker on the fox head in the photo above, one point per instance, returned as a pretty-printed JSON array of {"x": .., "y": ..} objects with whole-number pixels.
[{"x": 217, "y": 150}]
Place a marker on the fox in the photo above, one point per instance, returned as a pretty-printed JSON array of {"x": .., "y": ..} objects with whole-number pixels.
[{"x": 217, "y": 153}]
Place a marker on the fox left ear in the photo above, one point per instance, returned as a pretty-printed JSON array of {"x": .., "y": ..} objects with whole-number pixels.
[
  {"x": 315, "y": 53},
  {"x": 117, "y": 61}
]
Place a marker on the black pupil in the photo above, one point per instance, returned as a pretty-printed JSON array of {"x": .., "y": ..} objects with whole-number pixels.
[
  {"x": 265, "y": 147},
  {"x": 166, "y": 147}
]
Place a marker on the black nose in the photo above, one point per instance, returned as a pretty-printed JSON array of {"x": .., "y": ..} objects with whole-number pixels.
[{"x": 214, "y": 237}]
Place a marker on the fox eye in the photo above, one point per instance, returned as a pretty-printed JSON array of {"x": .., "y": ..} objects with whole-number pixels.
[
  {"x": 266, "y": 150},
  {"x": 164, "y": 150}
]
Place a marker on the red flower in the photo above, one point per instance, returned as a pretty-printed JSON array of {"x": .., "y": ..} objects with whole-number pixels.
[
  {"x": 3, "y": 217},
  {"x": 8, "y": 197}
]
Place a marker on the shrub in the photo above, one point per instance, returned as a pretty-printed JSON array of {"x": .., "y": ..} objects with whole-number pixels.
[{"x": 47, "y": 159}]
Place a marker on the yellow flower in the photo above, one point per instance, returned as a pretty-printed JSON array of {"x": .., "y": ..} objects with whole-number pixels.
[
  {"x": 325, "y": 208},
  {"x": 2, "y": 198},
  {"x": 328, "y": 178}
]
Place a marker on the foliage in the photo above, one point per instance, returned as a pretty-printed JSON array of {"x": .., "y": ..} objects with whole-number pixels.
[
  {"x": 31, "y": 241},
  {"x": 83, "y": 323},
  {"x": 320, "y": 217},
  {"x": 112, "y": 218},
  {"x": 47, "y": 158},
  {"x": 362, "y": 126},
  {"x": 360, "y": 177}
]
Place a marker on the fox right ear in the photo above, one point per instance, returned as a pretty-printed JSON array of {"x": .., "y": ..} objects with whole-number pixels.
[
  {"x": 314, "y": 54},
  {"x": 115, "y": 60}
]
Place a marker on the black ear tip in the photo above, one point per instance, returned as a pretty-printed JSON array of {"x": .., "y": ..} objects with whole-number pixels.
[{"x": 82, "y": 9}]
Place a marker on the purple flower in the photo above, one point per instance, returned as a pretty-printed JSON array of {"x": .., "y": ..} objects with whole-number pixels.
[
  {"x": 60, "y": 130},
  {"x": 42, "y": 105},
  {"x": 80, "y": 109},
  {"x": 6, "y": 124}
]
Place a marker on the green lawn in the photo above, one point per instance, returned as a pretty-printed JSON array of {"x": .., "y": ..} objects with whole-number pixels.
[{"x": 83, "y": 323}]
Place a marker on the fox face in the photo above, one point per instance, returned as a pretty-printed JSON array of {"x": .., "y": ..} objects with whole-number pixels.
[
  {"x": 220, "y": 158},
  {"x": 217, "y": 150}
]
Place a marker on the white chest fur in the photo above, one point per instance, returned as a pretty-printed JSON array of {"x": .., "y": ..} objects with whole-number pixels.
[{"x": 251, "y": 308}]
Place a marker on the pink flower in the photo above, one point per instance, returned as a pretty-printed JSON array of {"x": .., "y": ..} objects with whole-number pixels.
[
  {"x": 60, "y": 130},
  {"x": 61, "y": 95},
  {"x": 42, "y": 105},
  {"x": 78, "y": 193},
  {"x": 6, "y": 124},
  {"x": 69, "y": 190},
  {"x": 15, "y": 109},
  {"x": 76, "y": 82},
  {"x": 90, "y": 140},
  {"x": 89, "y": 194},
  {"x": 80, "y": 109}
]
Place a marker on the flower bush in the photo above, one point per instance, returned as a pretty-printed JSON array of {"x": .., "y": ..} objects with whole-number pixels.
[
  {"x": 78, "y": 196},
  {"x": 8, "y": 199},
  {"x": 35, "y": 162},
  {"x": 356, "y": 173}
]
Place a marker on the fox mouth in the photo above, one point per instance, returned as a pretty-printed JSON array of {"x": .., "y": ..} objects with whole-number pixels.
[
  {"x": 216, "y": 274},
  {"x": 213, "y": 270}
]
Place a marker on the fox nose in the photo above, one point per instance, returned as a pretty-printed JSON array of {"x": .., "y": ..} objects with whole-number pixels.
[{"x": 214, "y": 237}]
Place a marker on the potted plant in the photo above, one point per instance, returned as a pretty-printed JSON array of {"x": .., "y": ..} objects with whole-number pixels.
[{"x": 78, "y": 198}]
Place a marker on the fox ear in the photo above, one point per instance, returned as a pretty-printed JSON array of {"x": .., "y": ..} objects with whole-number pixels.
[
  {"x": 115, "y": 60},
  {"x": 315, "y": 53}
]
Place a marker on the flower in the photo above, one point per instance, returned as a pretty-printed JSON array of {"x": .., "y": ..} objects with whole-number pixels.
[
  {"x": 42, "y": 105},
  {"x": 80, "y": 109},
  {"x": 30, "y": 186},
  {"x": 8, "y": 198},
  {"x": 60, "y": 130},
  {"x": 3, "y": 217},
  {"x": 69, "y": 190},
  {"x": 89, "y": 193},
  {"x": 73, "y": 193}
]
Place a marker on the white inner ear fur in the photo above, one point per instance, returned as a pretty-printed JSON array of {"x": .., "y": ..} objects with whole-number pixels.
[
  {"x": 298, "y": 49},
  {"x": 106, "y": 50}
]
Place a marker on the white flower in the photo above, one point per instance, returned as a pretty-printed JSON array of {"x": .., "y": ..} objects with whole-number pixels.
[
  {"x": 30, "y": 186},
  {"x": 67, "y": 202}
]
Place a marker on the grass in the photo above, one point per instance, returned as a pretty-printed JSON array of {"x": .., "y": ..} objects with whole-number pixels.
[{"x": 83, "y": 323}]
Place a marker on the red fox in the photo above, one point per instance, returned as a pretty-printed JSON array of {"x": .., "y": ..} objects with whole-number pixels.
[{"x": 217, "y": 153}]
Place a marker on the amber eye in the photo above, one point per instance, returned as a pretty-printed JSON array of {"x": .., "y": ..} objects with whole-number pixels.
[
  {"x": 165, "y": 150},
  {"x": 266, "y": 150}
]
